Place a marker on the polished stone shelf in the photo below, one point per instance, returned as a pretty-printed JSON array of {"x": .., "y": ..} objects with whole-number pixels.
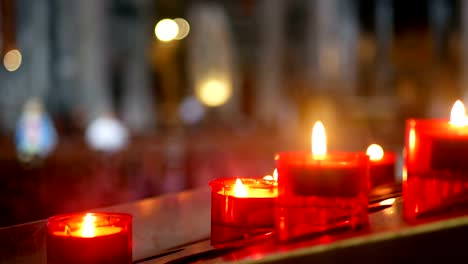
[
  {"x": 175, "y": 228},
  {"x": 158, "y": 224}
]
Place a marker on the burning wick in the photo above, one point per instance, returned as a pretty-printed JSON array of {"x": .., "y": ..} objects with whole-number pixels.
[
  {"x": 375, "y": 152},
  {"x": 240, "y": 190},
  {"x": 87, "y": 229}
]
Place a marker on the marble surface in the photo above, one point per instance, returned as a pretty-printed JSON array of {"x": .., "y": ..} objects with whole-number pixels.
[
  {"x": 389, "y": 238},
  {"x": 175, "y": 228},
  {"x": 158, "y": 224}
]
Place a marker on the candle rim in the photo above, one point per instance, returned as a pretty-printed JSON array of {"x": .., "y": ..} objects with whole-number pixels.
[
  {"x": 345, "y": 155},
  {"x": 119, "y": 230},
  {"x": 231, "y": 181},
  {"x": 435, "y": 126},
  {"x": 79, "y": 215},
  {"x": 426, "y": 121}
]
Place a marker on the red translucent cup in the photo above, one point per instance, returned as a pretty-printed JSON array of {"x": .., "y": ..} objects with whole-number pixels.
[
  {"x": 102, "y": 238},
  {"x": 382, "y": 171},
  {"x": 236, "y": 218},
  {"x": 435, "y": 176},
  {"x": 320, "y": 195}
]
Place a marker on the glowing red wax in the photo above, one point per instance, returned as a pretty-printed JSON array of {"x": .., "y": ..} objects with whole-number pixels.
[
  {"x": 436, "y": 168},
  {"x": 105, "y": 240},
  {"x": 234, "y": 218},
  {"x": 319, "y": 195},
  {"x": 382, "y": 171}
]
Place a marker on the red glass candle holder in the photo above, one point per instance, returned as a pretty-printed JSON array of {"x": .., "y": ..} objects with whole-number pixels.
[
  {"x": 235, "y": 218},
  {"x": 102, "y": 238},
  {"x": 435, "y": 177},
  {"x": 319, "y": 195},
  {"x": 382, "y": 171}
]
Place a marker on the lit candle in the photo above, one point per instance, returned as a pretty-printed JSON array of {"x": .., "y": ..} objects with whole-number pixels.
[
  {"x": 436, "y": 165},
  {"x": 382, "y": 166},
  {"x": 241, "y": 208},
  {"x": 320, "y": 191},
  {"x": 89, "y": 238}
]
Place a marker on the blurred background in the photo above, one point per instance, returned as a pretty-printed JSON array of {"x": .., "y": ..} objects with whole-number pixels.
[{"x": 111, "y": 101}]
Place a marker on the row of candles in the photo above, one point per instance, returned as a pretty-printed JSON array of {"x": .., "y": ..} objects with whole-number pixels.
[
  {"x": 319, "y": 191},
  {"x": 308, "y": 193}
]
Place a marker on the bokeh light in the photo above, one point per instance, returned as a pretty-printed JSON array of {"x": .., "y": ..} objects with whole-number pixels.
[
  {"x": 166, "y": 30},
  {"x": 191, "y": 111},
  {"x": 183, "y": 27},
  {"x": 214, "y": 92},
  {"x": 106, "y": 134},
  {"x": 35, "y": 135},
  {"x": 12, "y": 60}
]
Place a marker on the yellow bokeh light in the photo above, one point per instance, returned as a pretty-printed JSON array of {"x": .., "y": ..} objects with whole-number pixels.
[
  {"x": 12, "y": 60},
  {"x": 166, "y": 30},
  {"x": 214, "y": 92},
  {"x": 183, "y": 27}
]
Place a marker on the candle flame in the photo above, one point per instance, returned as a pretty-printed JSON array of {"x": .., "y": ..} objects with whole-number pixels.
[
  {"x": 272, "y": 178},
  {"x": 319, "y": 141},
  {"x": 412, "y": 139},
  {"x": 240, "y": 190},
  {"x": 375, "y": 152},
  {"x": 458, "y": 116},
  {"x": 88, "y": 229},
  {"x": 404, "y": 174}
]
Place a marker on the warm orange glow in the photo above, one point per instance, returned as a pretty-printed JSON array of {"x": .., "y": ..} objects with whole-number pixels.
[
  {"x": 240, "y": 190},
  {"x": 88, "y": 227},
  {"x": 375, "y": 152},
  {"x": 458, "y": 116},
  {"x": 319, "y": 141}
]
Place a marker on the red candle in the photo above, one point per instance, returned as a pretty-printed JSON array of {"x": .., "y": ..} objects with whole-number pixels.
[
  {"x": 241, "y": 208},
  {"x": 89, "y": 238},
  {"x": 320, "y": 191},
  {"x": 381, "y": 166},
  {"x": 435, "y": 176}
]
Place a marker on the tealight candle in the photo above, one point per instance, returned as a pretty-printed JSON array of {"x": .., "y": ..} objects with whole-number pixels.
[
  {"x": 241, "y": 208},
  {"x": 320, "y": 191},
  {"x": 89, "y": 238},
  {"x": 381, "y": 166},
  {"x": 435, "y": 175}
]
